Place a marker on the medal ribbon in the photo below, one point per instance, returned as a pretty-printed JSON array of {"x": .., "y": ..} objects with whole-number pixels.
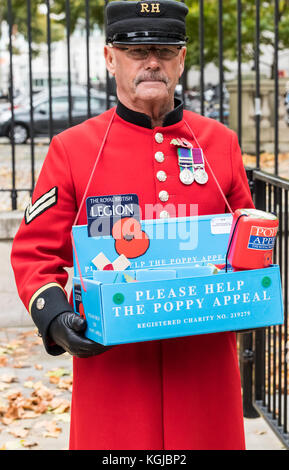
[
  {"x": 208, "y": 165},
  {"x": 197, "y": 156},
  {"x": 185, "y": 157}
]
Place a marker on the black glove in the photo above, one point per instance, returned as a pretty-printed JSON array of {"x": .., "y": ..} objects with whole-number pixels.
[
  {"x": 59, "y": 326},
  {"x": 67, "y": 331}
]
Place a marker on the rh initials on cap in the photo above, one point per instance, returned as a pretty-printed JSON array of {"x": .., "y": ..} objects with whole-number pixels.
[{"x": 150, "y": 8}]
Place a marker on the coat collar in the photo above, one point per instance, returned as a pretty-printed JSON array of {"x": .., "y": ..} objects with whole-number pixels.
[{"x": 143, "y": 120}]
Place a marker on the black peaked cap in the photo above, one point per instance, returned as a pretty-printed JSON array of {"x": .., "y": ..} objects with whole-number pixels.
[{"x": 146, "y": 22}]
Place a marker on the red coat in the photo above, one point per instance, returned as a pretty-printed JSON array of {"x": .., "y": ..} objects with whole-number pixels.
[{"x": 180, "y": 393}]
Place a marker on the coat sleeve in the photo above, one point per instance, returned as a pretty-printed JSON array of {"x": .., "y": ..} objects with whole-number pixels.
[
  {"x": 239, "y": 196},
  {"x": 42, "y": 246}
]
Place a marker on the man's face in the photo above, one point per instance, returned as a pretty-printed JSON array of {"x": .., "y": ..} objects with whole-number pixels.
[{"x": 145, "y": 73}]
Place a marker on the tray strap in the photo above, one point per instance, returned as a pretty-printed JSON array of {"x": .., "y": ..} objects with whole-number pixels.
[{"x": 85, "y": 194}]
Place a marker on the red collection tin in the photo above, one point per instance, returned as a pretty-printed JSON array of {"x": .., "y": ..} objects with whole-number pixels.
[{"x": 252, "y": 239}]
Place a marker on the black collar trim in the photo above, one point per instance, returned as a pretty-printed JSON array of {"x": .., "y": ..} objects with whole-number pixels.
[{"x": 143, "y": 120}]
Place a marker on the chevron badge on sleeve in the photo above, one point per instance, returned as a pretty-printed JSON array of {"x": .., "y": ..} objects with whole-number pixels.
[{"x": 43, "y": 203}]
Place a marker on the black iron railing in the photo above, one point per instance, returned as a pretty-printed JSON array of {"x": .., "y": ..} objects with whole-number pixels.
[{"x": 267, "y": 349}]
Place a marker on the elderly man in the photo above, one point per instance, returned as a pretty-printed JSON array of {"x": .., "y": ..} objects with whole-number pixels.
[{"x": 179, "y": 393}]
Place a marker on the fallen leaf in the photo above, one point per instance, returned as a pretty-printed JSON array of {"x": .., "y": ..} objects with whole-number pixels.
[
  {"x": 59, "y": 406},
  {"x": 7, "y": 421},
  {"x": 60, "y": 372},
  {"x": 54, "y": 380},
  {"x": 3, "y": 361},
  {"x": 14, "y": 409},
  {"x": 42, "y": 391},
  {"x": 8, "y": 378},
  {"x": 19, "y": 431},
  {"x": 28, "y": 444},
  {"x": 30, "y": 378},
  {"x": 65, "y": 384},
  {"x": 11, "y": 346},
  {"x": 21, "y": 365},
  {"x": 2, "y": 407},
  {"x": 30, "y": 414},
  {"x": 52, "y": 429},
  {"x": 3, "y": 350},
  {"x": 28, "y": 384}
]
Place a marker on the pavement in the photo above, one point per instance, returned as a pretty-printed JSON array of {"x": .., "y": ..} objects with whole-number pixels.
[
  {"x": 35, "y": 393},
  {"x": 35, "y": 397}
]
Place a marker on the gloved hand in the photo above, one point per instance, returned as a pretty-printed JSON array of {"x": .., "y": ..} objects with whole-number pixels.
[{"x": 67, "y": 330}]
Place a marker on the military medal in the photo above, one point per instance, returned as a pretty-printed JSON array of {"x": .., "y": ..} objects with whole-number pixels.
[
  {"x": 187, "y": 176},
  {"x": 200, "y": 174},
  {"x": 185, "y": 161}
]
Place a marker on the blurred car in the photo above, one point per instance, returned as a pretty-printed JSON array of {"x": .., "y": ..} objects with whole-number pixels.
[
  {"x": 60, "y": 112},
  {"x": 18, "y": 101}
]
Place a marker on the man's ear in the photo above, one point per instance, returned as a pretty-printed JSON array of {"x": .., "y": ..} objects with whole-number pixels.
[
  {"x": 182, "y": 60},
  {"x": 109, "y": 59}
]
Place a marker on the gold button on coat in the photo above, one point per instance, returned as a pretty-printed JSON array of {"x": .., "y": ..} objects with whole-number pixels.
[
  {"x": 164, "y": 196},
  {"x": 161, "y": 176},
  {"x": 159, "y": 137},
  {"x": 159, "y": 156}
]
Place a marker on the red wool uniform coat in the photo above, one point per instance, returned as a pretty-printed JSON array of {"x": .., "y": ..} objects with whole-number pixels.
[{"x": 182, "y": 393}]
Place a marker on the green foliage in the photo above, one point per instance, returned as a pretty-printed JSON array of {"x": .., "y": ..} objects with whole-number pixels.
[
  {"x": 77, "y": 11},
  {"x": 38, "y": 22},
  {"x": 229, "y": 25}
]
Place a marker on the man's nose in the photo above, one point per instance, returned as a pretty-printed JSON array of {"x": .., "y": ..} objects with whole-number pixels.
[{"x": 152, "y": 61}]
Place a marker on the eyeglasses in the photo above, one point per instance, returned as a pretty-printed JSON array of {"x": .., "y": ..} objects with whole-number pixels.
[{"x": 139, "y": 53}]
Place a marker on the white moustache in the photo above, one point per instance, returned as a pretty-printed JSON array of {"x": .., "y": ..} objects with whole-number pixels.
[{"x": 151, "y": 78}]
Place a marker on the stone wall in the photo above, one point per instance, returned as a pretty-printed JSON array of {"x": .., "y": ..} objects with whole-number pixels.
[{"x": 266, "y": 109}]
